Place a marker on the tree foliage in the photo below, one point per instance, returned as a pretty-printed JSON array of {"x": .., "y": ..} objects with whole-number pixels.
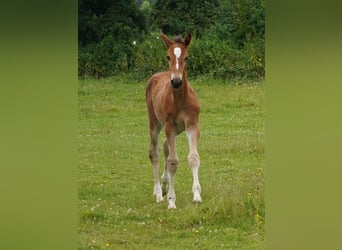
[
  {"x": 107, "y": 31},
  {"x": 240, "y": 21},
  {"x": 121, "y": 35},
  {"x": 179, "y": 16}
]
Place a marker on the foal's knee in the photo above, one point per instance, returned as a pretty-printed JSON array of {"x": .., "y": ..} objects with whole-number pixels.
[
  {"x": 172, "y": 164},
  {"x": 194, "y": 160}
]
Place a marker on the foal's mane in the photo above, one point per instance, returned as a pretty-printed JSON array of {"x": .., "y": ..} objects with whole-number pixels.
[{"x": 178, "y": 39}]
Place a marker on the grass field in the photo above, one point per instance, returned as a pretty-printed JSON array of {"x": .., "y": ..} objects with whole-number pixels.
[{"x": 117, "y": 209}]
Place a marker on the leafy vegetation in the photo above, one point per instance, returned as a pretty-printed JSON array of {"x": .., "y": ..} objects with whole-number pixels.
[
  {"x": 107, "y": 30},
  {"x": 116, "y": 206},
  {"x": 121, "y": 36},
  {"x": 178, "y": 16}
]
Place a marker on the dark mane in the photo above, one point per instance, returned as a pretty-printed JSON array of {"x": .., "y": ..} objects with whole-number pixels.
[{"x": 178, "y": 39}]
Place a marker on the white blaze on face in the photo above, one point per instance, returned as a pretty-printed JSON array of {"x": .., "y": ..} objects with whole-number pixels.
[{"x": 177, "y": 51}]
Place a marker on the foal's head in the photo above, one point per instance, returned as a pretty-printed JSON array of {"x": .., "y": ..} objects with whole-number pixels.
[{"x": 177, "y": 55}]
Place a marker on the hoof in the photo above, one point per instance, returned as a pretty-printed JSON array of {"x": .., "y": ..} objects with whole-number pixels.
[
  {"x": 197, "y": 198},
  {"x": 159, "y": 198},
  {"x": 196, "y": 202},
  {"x": 157, "y": 191},
  {"x": 172, "y": 204}
]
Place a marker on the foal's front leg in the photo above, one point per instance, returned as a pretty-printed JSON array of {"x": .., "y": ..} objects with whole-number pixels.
[{"x": 194, "y": 161}]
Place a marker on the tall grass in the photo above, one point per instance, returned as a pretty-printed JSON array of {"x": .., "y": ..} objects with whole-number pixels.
[{"x": 116, "y": 206}]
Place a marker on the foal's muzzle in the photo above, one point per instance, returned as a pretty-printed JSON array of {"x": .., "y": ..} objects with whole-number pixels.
[{"x": 176, "y": 83}]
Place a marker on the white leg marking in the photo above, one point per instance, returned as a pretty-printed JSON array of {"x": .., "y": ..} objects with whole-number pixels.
[
  {"x": 171, "y": 169},
  {"x": 158, "y": 193},
  {"x": 171, "y": 196},
  {"x": 194, "y": 162}
]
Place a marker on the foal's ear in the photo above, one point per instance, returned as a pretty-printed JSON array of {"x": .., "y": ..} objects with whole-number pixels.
[
  {"x": 166, "y": 40},
  {"x": 187, "y": 39}
]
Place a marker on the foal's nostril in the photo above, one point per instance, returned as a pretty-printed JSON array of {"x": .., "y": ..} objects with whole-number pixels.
[{"x": 176, "y": 83}]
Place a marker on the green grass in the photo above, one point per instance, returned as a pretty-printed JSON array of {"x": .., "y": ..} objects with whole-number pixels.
[{"x": 117, "y": 209}]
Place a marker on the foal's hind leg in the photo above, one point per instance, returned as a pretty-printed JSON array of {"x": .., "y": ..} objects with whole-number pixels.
[
  {"x": 154, "y": 157},
  {"x": 172, "y": 165},
  {"x": 165, "y": 176}
]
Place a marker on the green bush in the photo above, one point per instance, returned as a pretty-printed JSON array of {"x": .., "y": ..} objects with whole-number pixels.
[
  {"x": 220, "y": 59},
  {"x": 177, "y": 16},
  {"x": 254, "y": 55},
  {"x": 105, "y": 58},
  {"x": 150, "y": 56},
  {"x": 113, "y": 37},
  {"x": 107, "y": 30},
  {"x": 207, "y": 56}
]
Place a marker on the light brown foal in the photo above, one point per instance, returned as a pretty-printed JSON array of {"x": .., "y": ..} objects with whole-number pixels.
[{"x": 172, "y": 103}]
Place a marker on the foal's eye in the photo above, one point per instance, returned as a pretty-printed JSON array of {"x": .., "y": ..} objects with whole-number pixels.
[
  {"x": 186, "y": 58},
  {"x": 168, "y": 58}
]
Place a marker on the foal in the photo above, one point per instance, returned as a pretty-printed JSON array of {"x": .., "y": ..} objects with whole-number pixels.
[{"x": 172, "y": 103}]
